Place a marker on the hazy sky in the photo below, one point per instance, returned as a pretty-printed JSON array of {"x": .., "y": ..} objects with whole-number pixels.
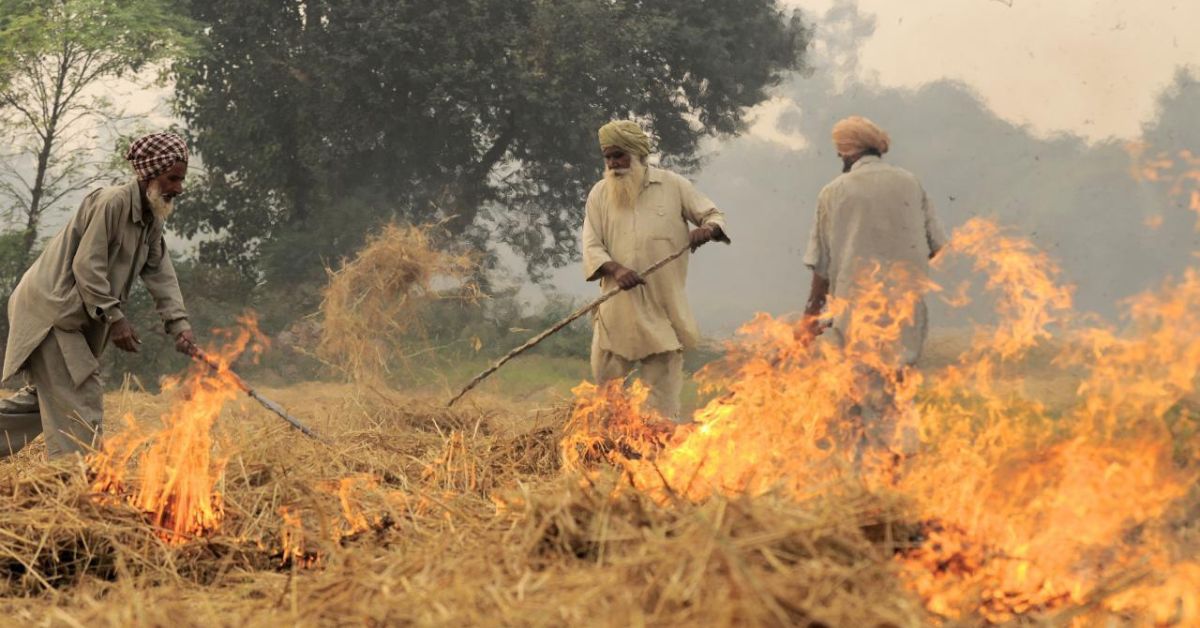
[{"x": 1092, "y": 67}]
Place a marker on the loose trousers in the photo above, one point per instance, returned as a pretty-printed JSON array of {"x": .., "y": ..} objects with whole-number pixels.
[
  {"x": 662, "y": 373},
  {"x": 69, "y": 415}
]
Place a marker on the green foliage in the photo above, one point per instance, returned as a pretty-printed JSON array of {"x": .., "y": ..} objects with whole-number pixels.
[
  {"x": 106, "y": 37},
  {"x": 52, "y": 120},
  {"x": 319, "y": 120},
  {"x": 11, "y": 258}
]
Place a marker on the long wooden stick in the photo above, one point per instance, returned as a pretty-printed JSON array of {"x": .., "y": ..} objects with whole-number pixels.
[
  {"x": 560, "y": 324},
  {"x": 204, "y": 358}
]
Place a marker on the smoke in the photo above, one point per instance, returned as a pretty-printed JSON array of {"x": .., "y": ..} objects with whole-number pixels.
[{"x": 1073, "y": 198}]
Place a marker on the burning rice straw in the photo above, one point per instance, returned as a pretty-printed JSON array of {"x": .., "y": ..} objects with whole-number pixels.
[
  {"x": 172, "y": 475},
  {"x": 371, "y": 305},
  {"x": 1022, "y": 513},
  {"x": 474, "y": 525},
  {"x": 774, "y": 508}
]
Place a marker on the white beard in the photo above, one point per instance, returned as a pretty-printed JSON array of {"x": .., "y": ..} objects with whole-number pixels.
[
  {"x": 159, "y": 206},
  {"x": 623, "y": 186}
]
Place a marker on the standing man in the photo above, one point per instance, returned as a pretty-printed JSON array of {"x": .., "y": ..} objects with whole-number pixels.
[
  {"x": 68, "y": 305},
  {"x": 637, "y": 215},
  {"x": 874, "y": 213}
]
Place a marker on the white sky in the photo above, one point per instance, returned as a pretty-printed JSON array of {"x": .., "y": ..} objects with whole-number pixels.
[{"x": 1092, "y": 67}]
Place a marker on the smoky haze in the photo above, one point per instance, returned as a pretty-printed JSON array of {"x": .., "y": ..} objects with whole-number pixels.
[
  {"x": 1077, "y": 200},
  {"x": 1073, "y": 197}
]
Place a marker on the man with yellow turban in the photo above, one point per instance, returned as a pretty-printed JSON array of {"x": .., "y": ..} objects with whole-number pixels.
[
  {"x": 636, "y": 215},
  {"x": 70, "y": 303},
  {"x": 873, "y": 216}
]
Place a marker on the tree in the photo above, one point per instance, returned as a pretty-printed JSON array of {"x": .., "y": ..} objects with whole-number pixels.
[
  {"x": 1175, "y": 128},
  {"x": 317, "y": 120},
  {"x": 55, "y": 53}
]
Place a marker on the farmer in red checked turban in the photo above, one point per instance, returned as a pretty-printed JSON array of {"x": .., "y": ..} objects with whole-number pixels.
[{"x": 69, "y": 304}]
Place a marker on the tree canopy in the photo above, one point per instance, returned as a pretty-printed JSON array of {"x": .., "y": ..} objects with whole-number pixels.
[
  {"x": 57, "y": 129},
  {"x": 52, "y": 121},
  {"x": 316, "y": 120}
]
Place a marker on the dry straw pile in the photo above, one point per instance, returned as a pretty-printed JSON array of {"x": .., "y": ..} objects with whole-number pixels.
[
  {"x": 420, "y": 515},
  {"x": 415, "y": 514},
  {"x": 373, "y": 304}
]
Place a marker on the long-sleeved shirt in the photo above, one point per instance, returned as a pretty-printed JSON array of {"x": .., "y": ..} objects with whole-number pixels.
[
  {"x": 654, "y": 317},
  {"x": 84, "y": 275},
  {"x": 876, "y": 213}
]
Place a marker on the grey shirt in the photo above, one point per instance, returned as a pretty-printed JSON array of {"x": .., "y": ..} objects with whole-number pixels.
[{"x": 875, "y": 214}]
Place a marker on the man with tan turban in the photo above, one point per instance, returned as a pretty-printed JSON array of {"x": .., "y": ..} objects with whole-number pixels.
[
  {"x": 874, "y": 214},
  {"x": 637, "y": 215},
  {"x": 69, "y": 304}
]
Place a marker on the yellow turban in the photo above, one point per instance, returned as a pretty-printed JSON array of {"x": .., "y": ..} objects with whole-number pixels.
[
  {"x": 626, "y": 135},
  {"x": 857, "y": 134}
]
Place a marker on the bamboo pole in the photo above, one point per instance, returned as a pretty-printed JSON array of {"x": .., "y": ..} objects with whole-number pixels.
[
  {"x": 200, "y": 356},
  {"x": 559, "y": 325}
]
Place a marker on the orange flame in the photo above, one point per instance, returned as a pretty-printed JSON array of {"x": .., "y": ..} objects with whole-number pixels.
[
  {"x": 1026, "y": 510},
  {"x": 785, "y": 420},
  {"x": 354, "y": 518},
  {"x": 291, "y": 540},
  {"x": 172, "y": 475},
  {"x": 1181, "y": 170}
]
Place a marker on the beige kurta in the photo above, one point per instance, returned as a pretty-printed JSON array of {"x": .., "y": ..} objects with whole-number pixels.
[
  {"x": 874, "y": 213},
  {"x": 69, "y": 414},
  {"x": 662, "y": 373},
  {"x": 80, "y": 281},
  {"x": 655, "y": 317}
]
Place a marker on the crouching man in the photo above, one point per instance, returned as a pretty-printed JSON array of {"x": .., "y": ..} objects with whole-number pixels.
[{"x": 67, "y": 306}]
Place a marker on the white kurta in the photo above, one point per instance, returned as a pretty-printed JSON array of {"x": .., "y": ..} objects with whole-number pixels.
[
  {"x": 876, "y": 213},
  {"x": 655, "y": 317}
]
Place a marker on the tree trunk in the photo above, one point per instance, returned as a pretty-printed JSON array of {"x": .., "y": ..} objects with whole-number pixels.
[
  {"x": 472, "y": 187},
  {"x": 33, "y": 218},
  {"x": 34, "y": 215}
]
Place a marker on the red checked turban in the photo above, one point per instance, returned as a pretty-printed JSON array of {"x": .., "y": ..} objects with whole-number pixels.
[{"x": 153, "y": 154}]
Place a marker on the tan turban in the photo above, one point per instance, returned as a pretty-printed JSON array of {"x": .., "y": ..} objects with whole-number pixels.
[
  {"x": 857, "y": 134},
  {"x": 626, "y": 135}
]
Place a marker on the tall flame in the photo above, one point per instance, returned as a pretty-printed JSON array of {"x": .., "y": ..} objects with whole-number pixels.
[
  {"x": 172, "y": 475},
  {"x": 1025, "y": 508},
  {"x": 1180, "y": 169}
]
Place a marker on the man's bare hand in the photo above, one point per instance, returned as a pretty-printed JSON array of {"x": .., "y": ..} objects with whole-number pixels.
[
  {"x": 124, "y": 337},
  {"x": 185, "y": 342},
  {"x": 625, "y": 277},
  {"x": 700, "y": 236}
]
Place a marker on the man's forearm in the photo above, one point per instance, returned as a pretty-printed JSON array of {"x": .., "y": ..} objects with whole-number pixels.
[
  {"x": 163, "y": 284},
  {"x": 816, "y": 295}
]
